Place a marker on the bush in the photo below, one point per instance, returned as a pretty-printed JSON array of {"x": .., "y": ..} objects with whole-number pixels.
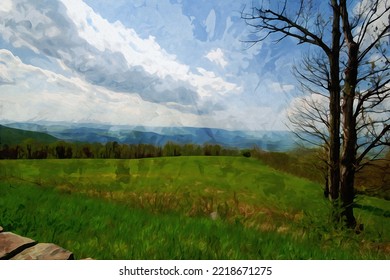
[{"x": 246, "y": 153}]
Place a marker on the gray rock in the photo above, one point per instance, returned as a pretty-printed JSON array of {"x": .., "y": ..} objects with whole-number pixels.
[
  {"x": 214, "y": 215},
  {"x": 12, "y": 244},
  {"x": 44, "y": 251}
]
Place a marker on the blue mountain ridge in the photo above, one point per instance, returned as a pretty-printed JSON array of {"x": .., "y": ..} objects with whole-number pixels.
[{"x": 159, "y": 136}]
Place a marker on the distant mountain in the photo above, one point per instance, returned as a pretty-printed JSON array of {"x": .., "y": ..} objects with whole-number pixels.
[
  {"x": 267, "y": 140},
  {"x": 10, "y": 136}
]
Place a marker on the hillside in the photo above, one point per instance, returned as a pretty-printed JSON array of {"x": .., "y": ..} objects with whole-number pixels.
[
  {"x": 10, "y": 136},
  {"x": 182, "y": 208}
]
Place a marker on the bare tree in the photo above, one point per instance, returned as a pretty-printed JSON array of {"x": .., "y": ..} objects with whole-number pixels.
[
  {"x": 350, "y": 71},
  {"x": 309, "y": 116},
  {"x": 365, "y": 30}
]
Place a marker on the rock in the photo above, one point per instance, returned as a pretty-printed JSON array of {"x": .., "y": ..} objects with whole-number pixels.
[
  {"x": 12, "y": 244},
  {"x": 1, "y": 229},
  {"x": 44, "y": 251},
  {"x": 214, "y": 215}
]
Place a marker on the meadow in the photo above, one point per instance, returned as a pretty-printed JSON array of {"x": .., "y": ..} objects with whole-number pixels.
[{"x": 182, "y": 208}]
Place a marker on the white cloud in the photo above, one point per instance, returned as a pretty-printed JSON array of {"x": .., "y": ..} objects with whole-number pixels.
[
  {"x": 252, "y": 117},
  {"x": 209, "y": 84},
  {"x": 6, "y": 6},
  {"x": 36, "y": 94},
  {"x": 107, "y": 54},
  {"x": 115, "y": 37},
  {"x": 145, "y": 53},
  {"x": 112, "y": 71},
  {"x": 217, "y": 56},
  {"x": 314, "y": 105},
  {"x": 281, "y": 88}
]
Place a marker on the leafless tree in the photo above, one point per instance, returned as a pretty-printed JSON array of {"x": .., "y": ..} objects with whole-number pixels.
[{"x": 350, "y": 71}]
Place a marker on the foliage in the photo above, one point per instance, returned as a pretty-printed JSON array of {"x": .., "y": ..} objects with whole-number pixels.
[
  {"x": 32, "y": 149},
  {"x": 374, "y": 179},
  {"x": 300, "y": 162}
]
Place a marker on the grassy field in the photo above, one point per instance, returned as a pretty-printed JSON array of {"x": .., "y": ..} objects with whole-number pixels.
[{"x": 182, "y": 208}]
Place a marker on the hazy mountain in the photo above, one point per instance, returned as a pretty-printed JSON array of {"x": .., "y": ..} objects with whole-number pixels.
[{"x": 267, "y": 140}]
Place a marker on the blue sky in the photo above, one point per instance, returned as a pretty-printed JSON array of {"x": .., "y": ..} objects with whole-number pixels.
[{"x": 141, "y": 62}]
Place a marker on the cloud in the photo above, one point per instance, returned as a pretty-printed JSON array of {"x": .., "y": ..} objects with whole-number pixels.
[
  {"x": 252, "y": 117},
  {"x": 36, "y": 94},
  {"x": 136, "y": 65},
  {"x": 281, "y": 88},
  {"x": 106, "y": 54},
  {"x": 6, "y": 6},
  {"x": 217, "y": 57},
  {"x": 309, "y": 114}
]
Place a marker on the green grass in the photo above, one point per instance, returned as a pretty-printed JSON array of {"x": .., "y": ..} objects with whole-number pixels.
[{"x": 160, "y": 209}]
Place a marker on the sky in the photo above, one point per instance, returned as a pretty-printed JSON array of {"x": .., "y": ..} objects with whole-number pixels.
[{"x": 141, "y": 62}]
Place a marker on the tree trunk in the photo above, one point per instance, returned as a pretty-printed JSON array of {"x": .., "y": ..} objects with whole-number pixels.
[
  {"x": 348, "y": 161},
  {"x": 334, "y": 145},
  {"x": 334, "y": 149},
  {"x": 348, "y": 158},
  {"x": 334, "y": 111}
]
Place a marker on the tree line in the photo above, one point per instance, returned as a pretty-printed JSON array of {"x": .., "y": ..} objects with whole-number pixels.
[{"x": 30, "y": 149}]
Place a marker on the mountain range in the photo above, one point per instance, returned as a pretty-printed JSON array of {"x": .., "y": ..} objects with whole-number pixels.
[{"x": 102, "y": 133}]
